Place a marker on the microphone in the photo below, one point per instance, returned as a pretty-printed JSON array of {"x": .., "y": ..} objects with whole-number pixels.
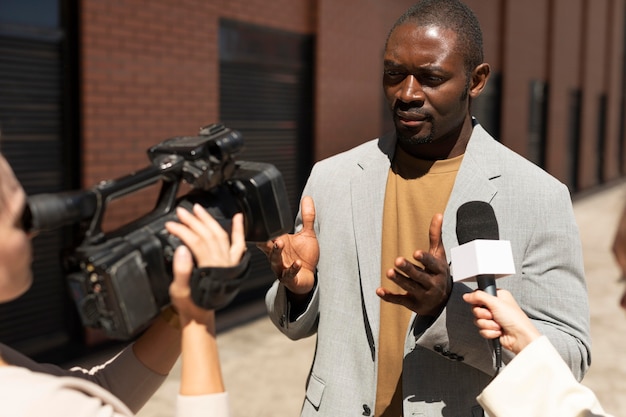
[{"x": 475, "y": 221}]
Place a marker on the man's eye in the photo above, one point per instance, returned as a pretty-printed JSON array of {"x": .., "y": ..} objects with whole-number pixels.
[
  {"x": 393, "y": 74},
  {"x": 432, "y": 80}
]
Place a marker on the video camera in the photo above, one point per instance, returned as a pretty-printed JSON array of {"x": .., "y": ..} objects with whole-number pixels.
[{"x": 120, "y": 280}]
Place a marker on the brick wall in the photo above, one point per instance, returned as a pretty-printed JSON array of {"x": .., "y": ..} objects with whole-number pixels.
[
  {"x": 150, "y": 71},
  {"x": 565, "y": 74}
]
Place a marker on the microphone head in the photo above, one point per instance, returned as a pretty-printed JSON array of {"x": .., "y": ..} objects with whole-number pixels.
[{"x": 476, "y": 220}]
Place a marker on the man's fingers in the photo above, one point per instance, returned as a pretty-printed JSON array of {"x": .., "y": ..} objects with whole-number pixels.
[
  {"x": 275, "y": 256},
  {"x": 268, "y": 247},
  {"x": 394, "y": 298},
  {"x": 290, "y": 272},
  {"x": 431, "y": 262},
  {"x": 407, "y": 283},
  {"x": 409, "y": 276},
  {"x": 263, "y": 247},
  {"x": 307, "y": 210},
  {"x": 434, "y": 236}
]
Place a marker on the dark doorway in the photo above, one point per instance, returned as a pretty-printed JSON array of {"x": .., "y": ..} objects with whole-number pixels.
[{"x": 266, "y": 92}]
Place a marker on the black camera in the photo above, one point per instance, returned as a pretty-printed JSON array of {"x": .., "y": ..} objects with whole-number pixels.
[{"x": 120, "y": 279}]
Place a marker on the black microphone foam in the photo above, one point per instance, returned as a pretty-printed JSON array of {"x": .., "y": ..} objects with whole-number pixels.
[{"x": 476, "y": 220}]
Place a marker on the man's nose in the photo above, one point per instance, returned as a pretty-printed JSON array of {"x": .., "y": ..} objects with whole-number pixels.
[{"x": 411, "y": 90}]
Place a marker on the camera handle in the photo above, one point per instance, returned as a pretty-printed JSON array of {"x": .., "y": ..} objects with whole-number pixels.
[
  {"x": 166, "y": 168},
  {"x": 51, "y": 211}
]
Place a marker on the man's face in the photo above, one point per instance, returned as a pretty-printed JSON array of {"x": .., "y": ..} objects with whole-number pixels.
[{"x": 426, "y": 84}]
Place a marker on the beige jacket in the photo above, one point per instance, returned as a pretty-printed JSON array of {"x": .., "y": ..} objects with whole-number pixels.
[
  {"x": 538, "y": 383},
  {"x": 28, "y": 388}
]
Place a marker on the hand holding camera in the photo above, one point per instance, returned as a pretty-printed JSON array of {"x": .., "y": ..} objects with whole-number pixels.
[{"x": 120, "y": 280}]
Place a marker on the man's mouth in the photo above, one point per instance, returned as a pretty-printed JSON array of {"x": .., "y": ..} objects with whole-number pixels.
[
  {"x": 411, "y": 119},
  {"x": 411, "y": 116}
]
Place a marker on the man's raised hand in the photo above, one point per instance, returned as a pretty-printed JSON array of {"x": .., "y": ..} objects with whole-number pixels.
[{"x": 293, "y": 257}]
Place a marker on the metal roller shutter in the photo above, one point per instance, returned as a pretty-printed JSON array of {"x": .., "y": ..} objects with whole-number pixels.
[
  {"x": 266, "y": 93},
  {"x": 31, "y": 115}
]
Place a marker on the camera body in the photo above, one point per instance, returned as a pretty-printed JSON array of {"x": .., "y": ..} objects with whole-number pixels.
[{"x": 120, "y": 280}]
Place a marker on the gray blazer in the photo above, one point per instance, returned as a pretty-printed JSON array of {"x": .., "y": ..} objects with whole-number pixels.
[{"x": 446, "y": 362}]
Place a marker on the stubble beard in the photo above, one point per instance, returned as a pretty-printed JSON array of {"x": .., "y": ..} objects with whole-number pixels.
[
  {"x": 411, "y": 140},
  {"x": 407, "y": 139}
]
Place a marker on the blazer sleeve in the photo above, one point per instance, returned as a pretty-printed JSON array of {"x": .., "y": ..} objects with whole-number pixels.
[
  {"x": 538, "y": 383},
  {"x": 550, "y": 285}
]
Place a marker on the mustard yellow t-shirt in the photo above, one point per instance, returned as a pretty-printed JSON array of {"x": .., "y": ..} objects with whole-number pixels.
[{"x": 416, "y": 190}]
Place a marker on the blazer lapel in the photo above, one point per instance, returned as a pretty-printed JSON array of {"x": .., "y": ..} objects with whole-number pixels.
[
  {"x": 368, "y": 195},
  {"x": 474, "y": 182}
]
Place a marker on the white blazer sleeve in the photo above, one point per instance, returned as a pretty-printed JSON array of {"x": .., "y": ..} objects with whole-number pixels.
[{"x": 538, "y": 383}]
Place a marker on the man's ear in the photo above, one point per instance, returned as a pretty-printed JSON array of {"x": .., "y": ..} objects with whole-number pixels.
[{"x": 480, "y": 75}]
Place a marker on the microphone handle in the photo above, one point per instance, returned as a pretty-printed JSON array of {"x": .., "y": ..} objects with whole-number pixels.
[{"x": 487, "y": 283}]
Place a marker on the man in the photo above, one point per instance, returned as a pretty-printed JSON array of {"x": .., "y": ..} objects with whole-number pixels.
[{"x": 367, "y": 270}]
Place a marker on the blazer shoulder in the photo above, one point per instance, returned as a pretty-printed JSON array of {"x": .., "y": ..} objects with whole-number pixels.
[
  {"x": 360, "y": 157},
  {"x": 503, "y": 161}
]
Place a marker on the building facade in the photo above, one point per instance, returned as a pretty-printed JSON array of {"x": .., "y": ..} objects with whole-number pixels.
[{"x": 88, "y": 86}]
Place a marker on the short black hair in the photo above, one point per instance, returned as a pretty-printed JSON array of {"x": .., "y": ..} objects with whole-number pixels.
[{"x": 453, "y": 15}]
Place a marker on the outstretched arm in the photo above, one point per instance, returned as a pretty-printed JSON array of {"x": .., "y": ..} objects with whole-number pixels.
[{"x": 212, "y": 247}]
